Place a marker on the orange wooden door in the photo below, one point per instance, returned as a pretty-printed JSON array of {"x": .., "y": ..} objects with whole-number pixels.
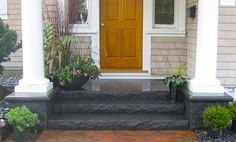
[{"x": 121, "y": 34}]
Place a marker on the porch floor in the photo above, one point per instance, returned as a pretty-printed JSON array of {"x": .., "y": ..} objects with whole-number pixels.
[
  {"x": 117, "y": 136},
  {"x": 125, "y": 85}
]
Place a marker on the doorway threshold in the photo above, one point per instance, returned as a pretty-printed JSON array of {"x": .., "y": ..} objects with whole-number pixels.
[{"x": 128, "y": 75}]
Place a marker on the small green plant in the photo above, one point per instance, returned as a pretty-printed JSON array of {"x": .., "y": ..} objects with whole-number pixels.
[
  {"x": 216, "y": 117},
  {"x": 178, "y": 79},
  {"x": 81, "y": 67},
  {"x": 22, "y": 118},
  {"x": 232, "y": 108},
  {"x": 8, "y": 42},
  {"x": 203, "y": 132}
]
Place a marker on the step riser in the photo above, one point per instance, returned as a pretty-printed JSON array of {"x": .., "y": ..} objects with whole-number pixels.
[
  {"x": 116, "y": 95},
  {"x": 118, "y": 125},
  {"x": 130, "y": 108}
]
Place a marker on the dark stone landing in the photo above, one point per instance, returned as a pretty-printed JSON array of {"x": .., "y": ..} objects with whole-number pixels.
[
  {"x": 125, "y": 85},
  {"x": 118, "y": 105}
]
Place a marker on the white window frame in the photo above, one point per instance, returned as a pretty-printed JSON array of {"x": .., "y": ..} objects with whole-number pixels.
[
  {"x": 87, "y": 28},
  {"x": 176, "y": 8},
  {"x": 178, "y": 28},
  {"x": 227, "y": 3},
  {"x": 3, "y": 9}
]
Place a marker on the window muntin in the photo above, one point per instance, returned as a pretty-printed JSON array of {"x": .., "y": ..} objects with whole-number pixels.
[{"x": 164, "y": 12}]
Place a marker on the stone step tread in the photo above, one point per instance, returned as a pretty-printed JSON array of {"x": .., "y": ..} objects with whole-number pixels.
[
  {"x": 114, "y": 116},
  {"x": 116, "y": 121},
  {"x": 164, "y": 95},
  {"x": 74, "y": 92},
  {"x": 116, "y": 101},
  {"x": 110, "y": 91},
  {"x": 119, "y": 106}
]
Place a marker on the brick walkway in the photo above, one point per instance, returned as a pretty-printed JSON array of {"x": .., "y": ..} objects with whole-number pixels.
[{"x": 117, "y": 136}]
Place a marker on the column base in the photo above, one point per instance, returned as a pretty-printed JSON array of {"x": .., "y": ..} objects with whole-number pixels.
[
  {"x": 199, "y": 88},
  {"x": 40, "y": 103},
  {"x": 43, "y": 87}
]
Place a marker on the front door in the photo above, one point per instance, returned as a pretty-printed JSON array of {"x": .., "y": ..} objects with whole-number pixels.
[{"x": 121, "y": 35}]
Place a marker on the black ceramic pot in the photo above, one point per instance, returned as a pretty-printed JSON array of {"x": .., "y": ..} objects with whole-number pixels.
[
  {"x": 233, "y": 127},
  {"x": 173, "y": 93},
  {"x": 76, "y": 84},
  {"x": 54, "y": 80},
  {"x": 215, "y": 134}
]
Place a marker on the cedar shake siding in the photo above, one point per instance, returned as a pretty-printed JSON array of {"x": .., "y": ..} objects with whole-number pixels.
[
  {"x": 166, "y": 51},
  {"x": 226, "y": 67},
  {"x": 191, "y": 36}
]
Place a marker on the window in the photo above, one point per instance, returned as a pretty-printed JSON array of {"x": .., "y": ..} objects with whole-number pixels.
[
  {"x": 79, "y": 12},
  {"x": 169, "y": 16},
  {"x": 3, "y": 9},
  {"x": 164, "y": 12}
]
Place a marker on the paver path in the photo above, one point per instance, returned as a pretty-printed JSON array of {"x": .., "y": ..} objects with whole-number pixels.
[{"x": 117, "y": 136}]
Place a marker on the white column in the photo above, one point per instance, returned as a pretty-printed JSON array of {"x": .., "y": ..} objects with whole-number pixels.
[
  {"x": 205, "y": 81},
  {"x": 33, "y": 60}
]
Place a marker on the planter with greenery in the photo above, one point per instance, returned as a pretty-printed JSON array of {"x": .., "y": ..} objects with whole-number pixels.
[
  {"x": 77, "y": 73},
  {"x": 176, "y": 80},
  {"x": 65, "y": 66},
  {"x": 232, "y": 108},
  {"x": 216, "y": 118},
  {"x": 22, "y": 120}
]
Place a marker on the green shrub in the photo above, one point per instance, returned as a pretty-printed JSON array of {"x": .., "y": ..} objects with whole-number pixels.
[
  {"x": 8, "y": 42},
  {"x": 22, "y": 118},
  {"x": 216, "y": 117},
  {"x": 232, "y": 108}
]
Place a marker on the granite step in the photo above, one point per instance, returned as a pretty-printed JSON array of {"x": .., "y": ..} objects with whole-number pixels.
[
  {"x": 116, "y": 121},
  {"x": 114, "y": 95},
  {"x": 125, "y": 106}
]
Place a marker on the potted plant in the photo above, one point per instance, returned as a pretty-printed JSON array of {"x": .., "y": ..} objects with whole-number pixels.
[
  {"x": 22, "y": 120},
  {"x": 76, "y": 74},
  {"x": 175, "y": 81},
  {"x": 232, "y": 108},
  {"x": 216, "y": 118}
]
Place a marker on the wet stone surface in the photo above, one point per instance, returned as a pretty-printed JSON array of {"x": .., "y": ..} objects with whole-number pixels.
[{"x": 9, "y": 81}]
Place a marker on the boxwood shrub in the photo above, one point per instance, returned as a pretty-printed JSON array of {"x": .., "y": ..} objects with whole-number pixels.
[{"x": 216, "y": 117}]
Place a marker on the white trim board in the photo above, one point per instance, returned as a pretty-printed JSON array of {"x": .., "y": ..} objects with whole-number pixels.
[
  {"x": 3, "y": 9},
  {"x": 227, "y": 2},
  {"x": 128, "y": 76}
]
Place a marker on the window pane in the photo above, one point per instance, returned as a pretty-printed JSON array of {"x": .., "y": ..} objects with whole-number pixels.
[
  {"x": 164, "y": 11},
  {"x": 78, "y": 11},
  {"x": 82, "y": 12}
]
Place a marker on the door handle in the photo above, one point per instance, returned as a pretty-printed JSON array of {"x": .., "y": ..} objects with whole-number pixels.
[{"x": 102, "y": 24}]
